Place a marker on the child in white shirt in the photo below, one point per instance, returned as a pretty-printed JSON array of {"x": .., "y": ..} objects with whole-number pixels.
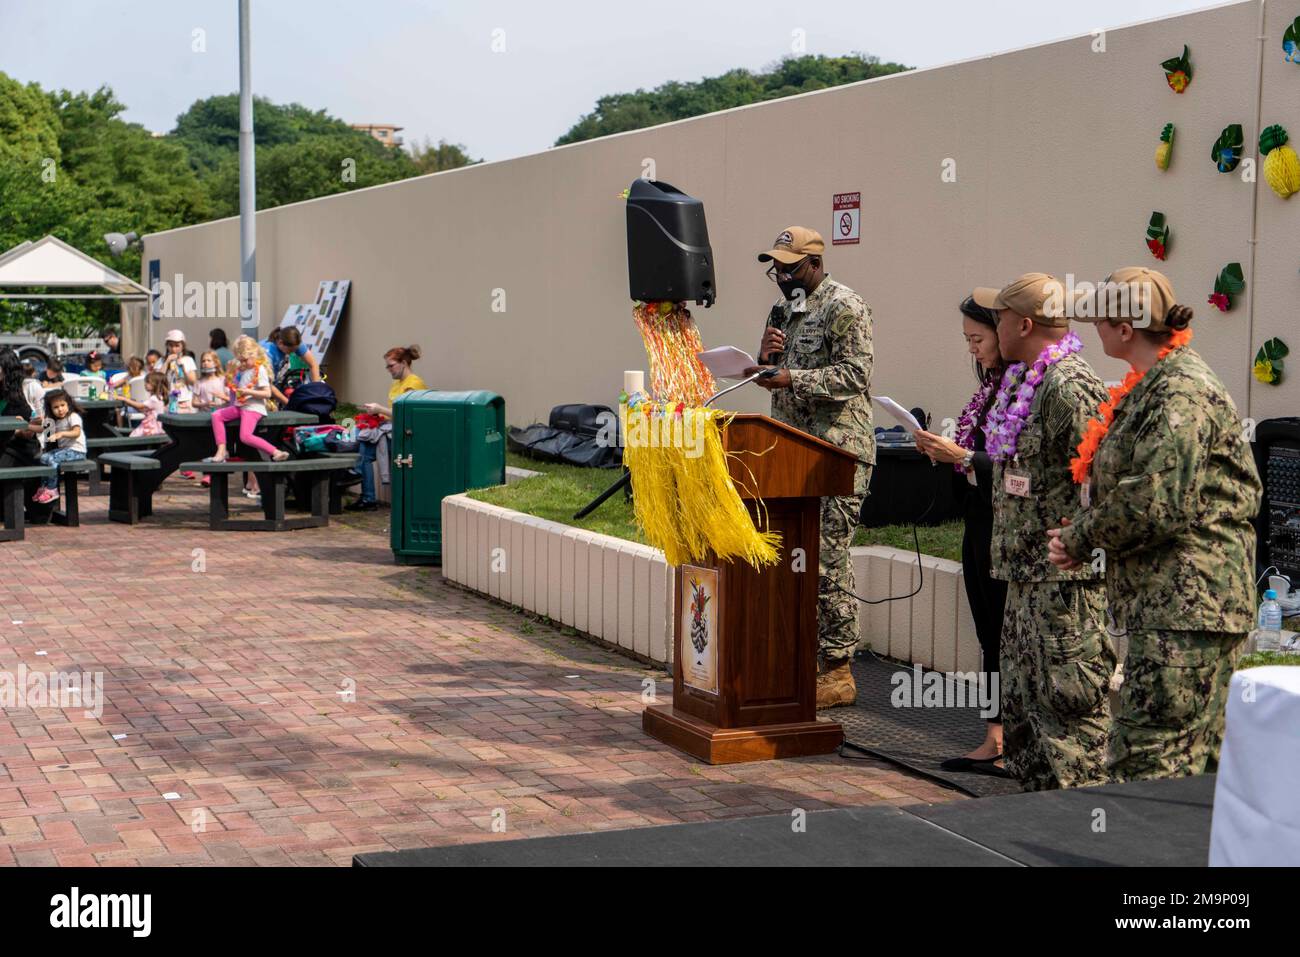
[{"x": 65, "y": 440}]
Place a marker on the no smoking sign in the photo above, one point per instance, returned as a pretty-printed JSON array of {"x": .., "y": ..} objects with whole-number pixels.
[{"x": 847, "y": 218}]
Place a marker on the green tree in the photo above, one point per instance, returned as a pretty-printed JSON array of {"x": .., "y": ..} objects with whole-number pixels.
[
  {"x": 620, "y": 112},
  {"x": 434, "y": 158},
  {"x": 107, "y": 175},
  {"x": 299, "y": 154},
  {"x": 29, "y": 128},
  {"x": 309, "y": 167}
]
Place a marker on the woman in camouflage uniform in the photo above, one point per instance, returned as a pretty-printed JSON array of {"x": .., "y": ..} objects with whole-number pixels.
[{"x": 1168, "y": 490}]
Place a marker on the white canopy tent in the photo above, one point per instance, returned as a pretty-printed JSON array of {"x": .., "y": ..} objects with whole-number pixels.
[{"x": 53, "y": 264}]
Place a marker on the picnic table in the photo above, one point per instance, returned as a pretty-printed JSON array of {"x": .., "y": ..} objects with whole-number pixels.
[
  {"x": 192, "y": 439},
  {"x": 13, "y": 481},
  {"x": 138, "y": 475},
  {"x": 99, "y": 415}
]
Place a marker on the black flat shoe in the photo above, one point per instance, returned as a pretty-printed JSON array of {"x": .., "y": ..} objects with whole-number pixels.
[
  {"x": 991, "y": 769},
  {"x": 967, "y": 764},
  {"x": 359, "y": 506}
]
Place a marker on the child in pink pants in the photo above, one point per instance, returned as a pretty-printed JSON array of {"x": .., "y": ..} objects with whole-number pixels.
[{"x": 251, "y": 389}]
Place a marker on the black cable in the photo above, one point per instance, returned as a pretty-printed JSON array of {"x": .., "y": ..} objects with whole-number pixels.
[{"x": 916, "y": 543}]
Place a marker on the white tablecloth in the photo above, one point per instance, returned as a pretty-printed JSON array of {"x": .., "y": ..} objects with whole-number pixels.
[{"x": 1257, "y": 796}]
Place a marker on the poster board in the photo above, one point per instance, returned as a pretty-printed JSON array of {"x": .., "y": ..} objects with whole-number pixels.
[{"x": 319, "y": 320}]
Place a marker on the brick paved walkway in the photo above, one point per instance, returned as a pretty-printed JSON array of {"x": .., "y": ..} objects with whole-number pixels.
[{"x": 226, "y": 684}]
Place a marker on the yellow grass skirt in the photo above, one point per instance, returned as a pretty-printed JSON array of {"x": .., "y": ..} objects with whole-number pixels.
[{"x": 684, "y": 499}]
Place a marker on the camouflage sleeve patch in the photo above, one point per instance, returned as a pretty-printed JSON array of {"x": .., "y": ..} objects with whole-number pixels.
[{"x": 840, "y": 323}]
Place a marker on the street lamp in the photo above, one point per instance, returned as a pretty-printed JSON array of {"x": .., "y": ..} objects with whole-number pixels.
[{"x": 118, "y": 243}]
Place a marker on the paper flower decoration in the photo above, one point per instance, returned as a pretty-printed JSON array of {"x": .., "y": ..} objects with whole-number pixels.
[
  {"x": 1165, "y": 151},
  {"x": 1268, "y": 361},
  {"x": 1291, "y": 42},
  {"x": 1281, "y": 165},
  {"x": 1178, "y": 71},
  {"x": 1230, "y": 282},
  {"x": 1158, "y": 236},
  {"x": 1227, "y": 149}
]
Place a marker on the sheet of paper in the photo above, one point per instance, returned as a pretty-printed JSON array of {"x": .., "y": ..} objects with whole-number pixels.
[
  {"x": 727, "y": 362},
  {"x": 905, "y": 418}
]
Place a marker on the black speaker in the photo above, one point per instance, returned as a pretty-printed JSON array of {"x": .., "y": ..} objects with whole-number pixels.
[
  {"x": 668, "y": 251},
  {"x": 1277, "y": 456}
]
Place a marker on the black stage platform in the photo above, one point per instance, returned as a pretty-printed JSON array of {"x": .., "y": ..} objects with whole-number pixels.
[{"x": 1145, "y": 823}]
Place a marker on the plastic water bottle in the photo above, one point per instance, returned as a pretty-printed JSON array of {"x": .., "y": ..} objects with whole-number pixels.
[{"x": 1269, "y": 636}]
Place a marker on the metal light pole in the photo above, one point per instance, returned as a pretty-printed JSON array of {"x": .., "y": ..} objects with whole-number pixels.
[{"x": 247, "y": 183}]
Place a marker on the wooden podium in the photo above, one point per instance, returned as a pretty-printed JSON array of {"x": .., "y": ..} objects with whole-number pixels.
[{"x": 744, "y": 683}]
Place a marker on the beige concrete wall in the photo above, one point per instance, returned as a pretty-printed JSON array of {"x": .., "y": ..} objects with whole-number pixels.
[{"x": 1054, "y": 154}]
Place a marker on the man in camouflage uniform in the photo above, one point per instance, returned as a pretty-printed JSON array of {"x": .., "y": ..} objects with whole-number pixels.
[
  {"x": 1056, "y": 659},
  {"x": 819, "y": 334},
  {"x": 1173, "y": 491}
]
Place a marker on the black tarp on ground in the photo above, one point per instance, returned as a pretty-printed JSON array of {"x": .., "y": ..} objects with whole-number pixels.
[
  {"x": 917, "y": 738},
  {"x": 1146, "y": 823}
]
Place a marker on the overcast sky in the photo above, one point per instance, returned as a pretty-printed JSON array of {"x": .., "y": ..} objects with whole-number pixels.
[{"x": 430, "y": 66}]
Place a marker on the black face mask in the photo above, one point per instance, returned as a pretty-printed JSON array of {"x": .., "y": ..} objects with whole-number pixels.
[{"x": 790, "y": 288}]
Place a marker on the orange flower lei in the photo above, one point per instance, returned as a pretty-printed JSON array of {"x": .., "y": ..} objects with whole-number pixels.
[{"x": 1097, "y": 428}]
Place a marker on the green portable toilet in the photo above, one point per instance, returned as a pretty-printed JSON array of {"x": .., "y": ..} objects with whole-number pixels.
[{"x": 443, "y": 443}]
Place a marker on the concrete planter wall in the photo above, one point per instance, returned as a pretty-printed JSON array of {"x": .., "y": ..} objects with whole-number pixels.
[
  {"x": 622, "y": 592},
  {"x": 607, "y": 587}
]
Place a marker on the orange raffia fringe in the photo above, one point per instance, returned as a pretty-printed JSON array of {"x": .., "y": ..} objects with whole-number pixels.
[
  {"x": 671, "y": 344},
  {"x": 1097, "y": 428}
]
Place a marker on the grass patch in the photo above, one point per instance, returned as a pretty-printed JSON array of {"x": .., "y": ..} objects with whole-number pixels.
[
  {"x": 1261, "y": 658},
  {"x": 941, "y": 541},
  {"x": 559, "y": 492},
  {"x": 563, "y": 489}
]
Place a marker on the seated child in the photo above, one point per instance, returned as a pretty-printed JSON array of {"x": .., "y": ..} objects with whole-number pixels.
[{"x": 65, "y": 440}]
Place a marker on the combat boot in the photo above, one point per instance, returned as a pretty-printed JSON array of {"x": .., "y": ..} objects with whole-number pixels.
[{"x": 835, "y": 686}]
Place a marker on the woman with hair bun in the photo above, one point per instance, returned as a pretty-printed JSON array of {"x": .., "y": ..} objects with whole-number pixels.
[
  {"x": 1168, "y": 492},
  {"x": 376, "y": 424}
]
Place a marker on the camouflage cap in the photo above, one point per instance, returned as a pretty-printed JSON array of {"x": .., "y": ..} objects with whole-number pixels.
[
  {"x": 1035, "y": 295},
  {"x": 793, "y": 244}
]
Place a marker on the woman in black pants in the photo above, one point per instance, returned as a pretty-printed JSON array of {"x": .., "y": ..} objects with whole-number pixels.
[
  {"x": 17, "y": 449},
  {"x": 986, "y": 595}
]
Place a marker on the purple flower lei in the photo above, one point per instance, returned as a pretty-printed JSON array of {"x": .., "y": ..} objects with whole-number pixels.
[
  {"x": 968, "y": 422},
  {"x": 1016, "y": 397}
]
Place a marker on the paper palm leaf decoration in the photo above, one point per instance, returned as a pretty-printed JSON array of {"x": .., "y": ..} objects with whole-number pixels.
[
  {"x": 1227, "y": 149},
  {"x": 1158, "y": 236},
  {"x": 1165, "y": 151},
  {"x": 1178, "y": 71},
  {"x": 1268, "y": 361},
  {"x": 1281, "y": 165},
  {"x": 1291, "y": 42},
  {"x": 1230, "y": 282}
]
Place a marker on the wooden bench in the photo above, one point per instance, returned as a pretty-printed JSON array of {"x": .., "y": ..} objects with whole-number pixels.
[
  {"x": 70, "y": 514},
  {"x": 12, "y": 484},
  {"x": 126, "y": 502},
  {"x": 272, "y": 478}
]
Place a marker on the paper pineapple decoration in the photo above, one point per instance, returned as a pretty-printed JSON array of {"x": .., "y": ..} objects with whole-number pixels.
[
  {"x": 1227, "y": 149},
  {"x": 1178, "y": 71},
  {"x": 1158, "y": 236},
  {"x": 1291, "y": 42},
  {"x": 1281, "y": 165},
  {"x": 1268, "y": 361},
  {"x": 1230, "y": 282},
  {"x": 1165, "y": 151}
]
